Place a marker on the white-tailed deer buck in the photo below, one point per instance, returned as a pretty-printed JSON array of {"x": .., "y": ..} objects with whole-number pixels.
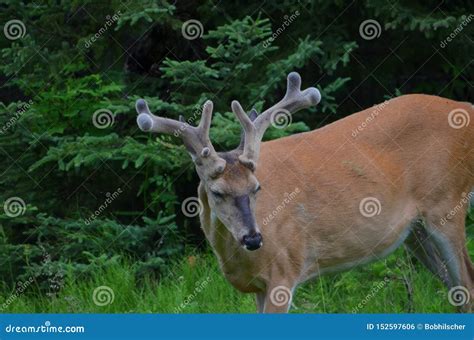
[{"x": 281, "y": 212}]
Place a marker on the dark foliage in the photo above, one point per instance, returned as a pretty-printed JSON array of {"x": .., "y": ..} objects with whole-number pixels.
[{"x": 93, "y": 195}]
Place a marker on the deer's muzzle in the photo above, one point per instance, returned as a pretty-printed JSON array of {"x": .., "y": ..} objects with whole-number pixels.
[{"x": 252, "y": 242}]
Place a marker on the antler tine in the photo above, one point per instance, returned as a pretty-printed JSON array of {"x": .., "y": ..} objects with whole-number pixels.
[
  {"x": 252, "y": 115},
  {"x": 249, "y": 134},
  {"x": 206, "y": 118},
  {"x": 242, "y": 116},
  {"x": 293, "y": 84},
  {"x": 148, "y": 122}
]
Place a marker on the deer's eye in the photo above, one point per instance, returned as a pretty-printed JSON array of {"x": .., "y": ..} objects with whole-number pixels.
[
  {"x": 217, "y": 194},
  {"x": 257, "y": 189}
]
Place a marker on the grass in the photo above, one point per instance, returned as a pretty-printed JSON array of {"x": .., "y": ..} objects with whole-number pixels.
[{"x": 197, "y": 286}]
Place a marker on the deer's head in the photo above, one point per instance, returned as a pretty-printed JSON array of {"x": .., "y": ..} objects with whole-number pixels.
[{"x": 229, "y": 177}]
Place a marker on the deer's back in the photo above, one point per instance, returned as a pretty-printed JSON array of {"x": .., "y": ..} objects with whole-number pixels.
[{"x": 409, "y": 140}]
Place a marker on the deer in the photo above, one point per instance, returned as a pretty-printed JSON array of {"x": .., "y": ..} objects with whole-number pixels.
[{"x": 281, "y": 212}]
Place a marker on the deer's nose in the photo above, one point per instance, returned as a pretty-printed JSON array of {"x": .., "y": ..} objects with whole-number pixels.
[{"x": 252, "y": 242}]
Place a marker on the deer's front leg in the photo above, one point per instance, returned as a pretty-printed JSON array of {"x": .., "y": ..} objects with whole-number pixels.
[
  {"x": 260, "y": 301},
  {"x": 278, "y": 298}
]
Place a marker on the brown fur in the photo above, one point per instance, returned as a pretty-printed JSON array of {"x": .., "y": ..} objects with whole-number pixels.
[{"x": 408, "y": 157}]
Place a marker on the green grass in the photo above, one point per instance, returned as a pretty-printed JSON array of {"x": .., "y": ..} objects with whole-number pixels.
[{"x": 341, "y": 293}]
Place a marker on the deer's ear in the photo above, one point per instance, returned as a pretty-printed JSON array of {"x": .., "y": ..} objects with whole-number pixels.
[{"x": 253, "y": 114}]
